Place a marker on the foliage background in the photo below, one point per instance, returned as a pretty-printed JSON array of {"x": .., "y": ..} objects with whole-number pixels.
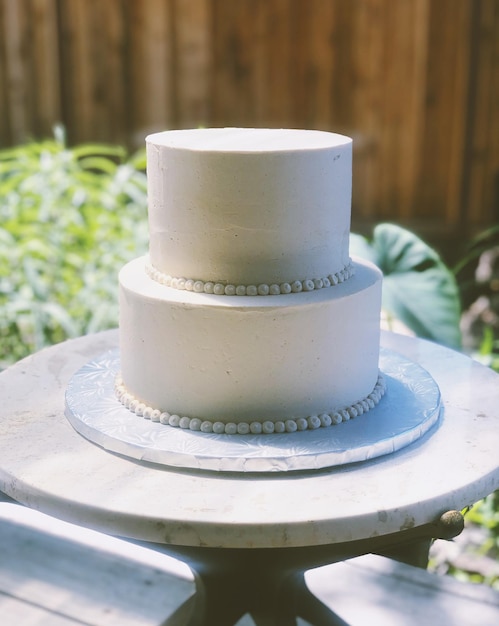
[{"x": 69, "y": 219}]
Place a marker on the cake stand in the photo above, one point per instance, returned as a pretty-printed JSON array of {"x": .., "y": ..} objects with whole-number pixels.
[{"x": 251, "y": 536}]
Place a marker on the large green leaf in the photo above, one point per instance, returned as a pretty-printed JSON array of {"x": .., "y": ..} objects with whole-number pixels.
[{"x": 418, "y": 288}]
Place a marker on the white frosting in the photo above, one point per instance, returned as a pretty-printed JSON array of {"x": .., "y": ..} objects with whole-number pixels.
[
  {"x": 249, "y": 206},
  {"x": 249, "y": 212},
  {"x": 231, "y": 360},
  {"x": 257, "y": 427}
]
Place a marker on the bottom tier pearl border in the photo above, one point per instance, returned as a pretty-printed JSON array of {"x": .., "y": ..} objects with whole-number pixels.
[{"x": 267, "y": 427}]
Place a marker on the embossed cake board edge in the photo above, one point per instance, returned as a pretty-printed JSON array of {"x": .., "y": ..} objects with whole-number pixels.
[{"x": 410, "y": 408}]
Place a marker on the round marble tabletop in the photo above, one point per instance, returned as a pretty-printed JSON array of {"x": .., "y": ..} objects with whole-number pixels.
[{"x": 47, "y": 465}]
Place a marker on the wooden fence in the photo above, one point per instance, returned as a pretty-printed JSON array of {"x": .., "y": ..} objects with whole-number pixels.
[{"x": 414, "y": 82}]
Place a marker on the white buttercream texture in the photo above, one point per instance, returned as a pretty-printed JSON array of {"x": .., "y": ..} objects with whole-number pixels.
[
  {"x": 249, "y": 206},
  {"x": 255, "y": 427},
  {"x": 231, "y": 359},
  {"x": 249, "y": 212}
]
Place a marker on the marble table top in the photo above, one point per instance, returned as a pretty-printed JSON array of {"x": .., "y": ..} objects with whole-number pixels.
[{"x": 47, "y": 465}]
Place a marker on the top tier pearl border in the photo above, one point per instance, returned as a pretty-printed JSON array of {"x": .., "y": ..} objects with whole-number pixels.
[
  {"x": 267, "y": 427},
  {"x": 263, "y": 289}
]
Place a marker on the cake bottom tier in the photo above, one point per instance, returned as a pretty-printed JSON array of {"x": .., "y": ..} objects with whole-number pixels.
[{"x": 248, "y": 359}]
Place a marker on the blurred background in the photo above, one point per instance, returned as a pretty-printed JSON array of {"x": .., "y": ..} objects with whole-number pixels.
[{"x": 414, "y": 82}]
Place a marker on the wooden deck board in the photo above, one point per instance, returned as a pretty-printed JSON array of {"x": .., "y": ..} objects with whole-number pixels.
[
  {"x": 55, "y": 574},
  {"x": 378, "y": 591}
]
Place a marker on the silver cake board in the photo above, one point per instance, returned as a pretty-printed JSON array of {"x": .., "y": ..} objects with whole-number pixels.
[{"x": 410, "y": 407}]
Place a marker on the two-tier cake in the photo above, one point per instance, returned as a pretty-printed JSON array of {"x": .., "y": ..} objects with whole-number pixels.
[{"x": 248, "y": 315}]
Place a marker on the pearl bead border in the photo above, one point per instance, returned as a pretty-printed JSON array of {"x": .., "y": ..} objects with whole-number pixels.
[
  {"x": 267, "y": 427},
  {"x": 263, "y": 289}
]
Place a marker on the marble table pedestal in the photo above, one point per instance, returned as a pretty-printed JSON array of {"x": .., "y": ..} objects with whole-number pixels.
[
  {"x": 269, "y": 584},
  {"x": 249, "y": 537}
]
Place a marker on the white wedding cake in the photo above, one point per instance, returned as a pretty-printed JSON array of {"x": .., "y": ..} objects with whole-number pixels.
[{"x": 248, "y": 315}]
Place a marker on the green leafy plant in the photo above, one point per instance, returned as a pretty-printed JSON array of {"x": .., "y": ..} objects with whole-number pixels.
[
  {"x": 69, "y": 219},
  {"x": 486, "y": 513},
  {"x": 484, "y": 241},
  {"x": 478, "y": 277},
  {"x": 418, "y": 288}
]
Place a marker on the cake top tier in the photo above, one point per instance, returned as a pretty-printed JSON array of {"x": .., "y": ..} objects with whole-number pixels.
[
  {"x": 244, "y": 207},
  {"x": 236, "y": 140}
]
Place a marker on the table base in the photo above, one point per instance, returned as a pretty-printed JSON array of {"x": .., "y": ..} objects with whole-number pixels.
[
  {"x": 223, "y": 601},
  {"x": 269, "y": 583}
]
